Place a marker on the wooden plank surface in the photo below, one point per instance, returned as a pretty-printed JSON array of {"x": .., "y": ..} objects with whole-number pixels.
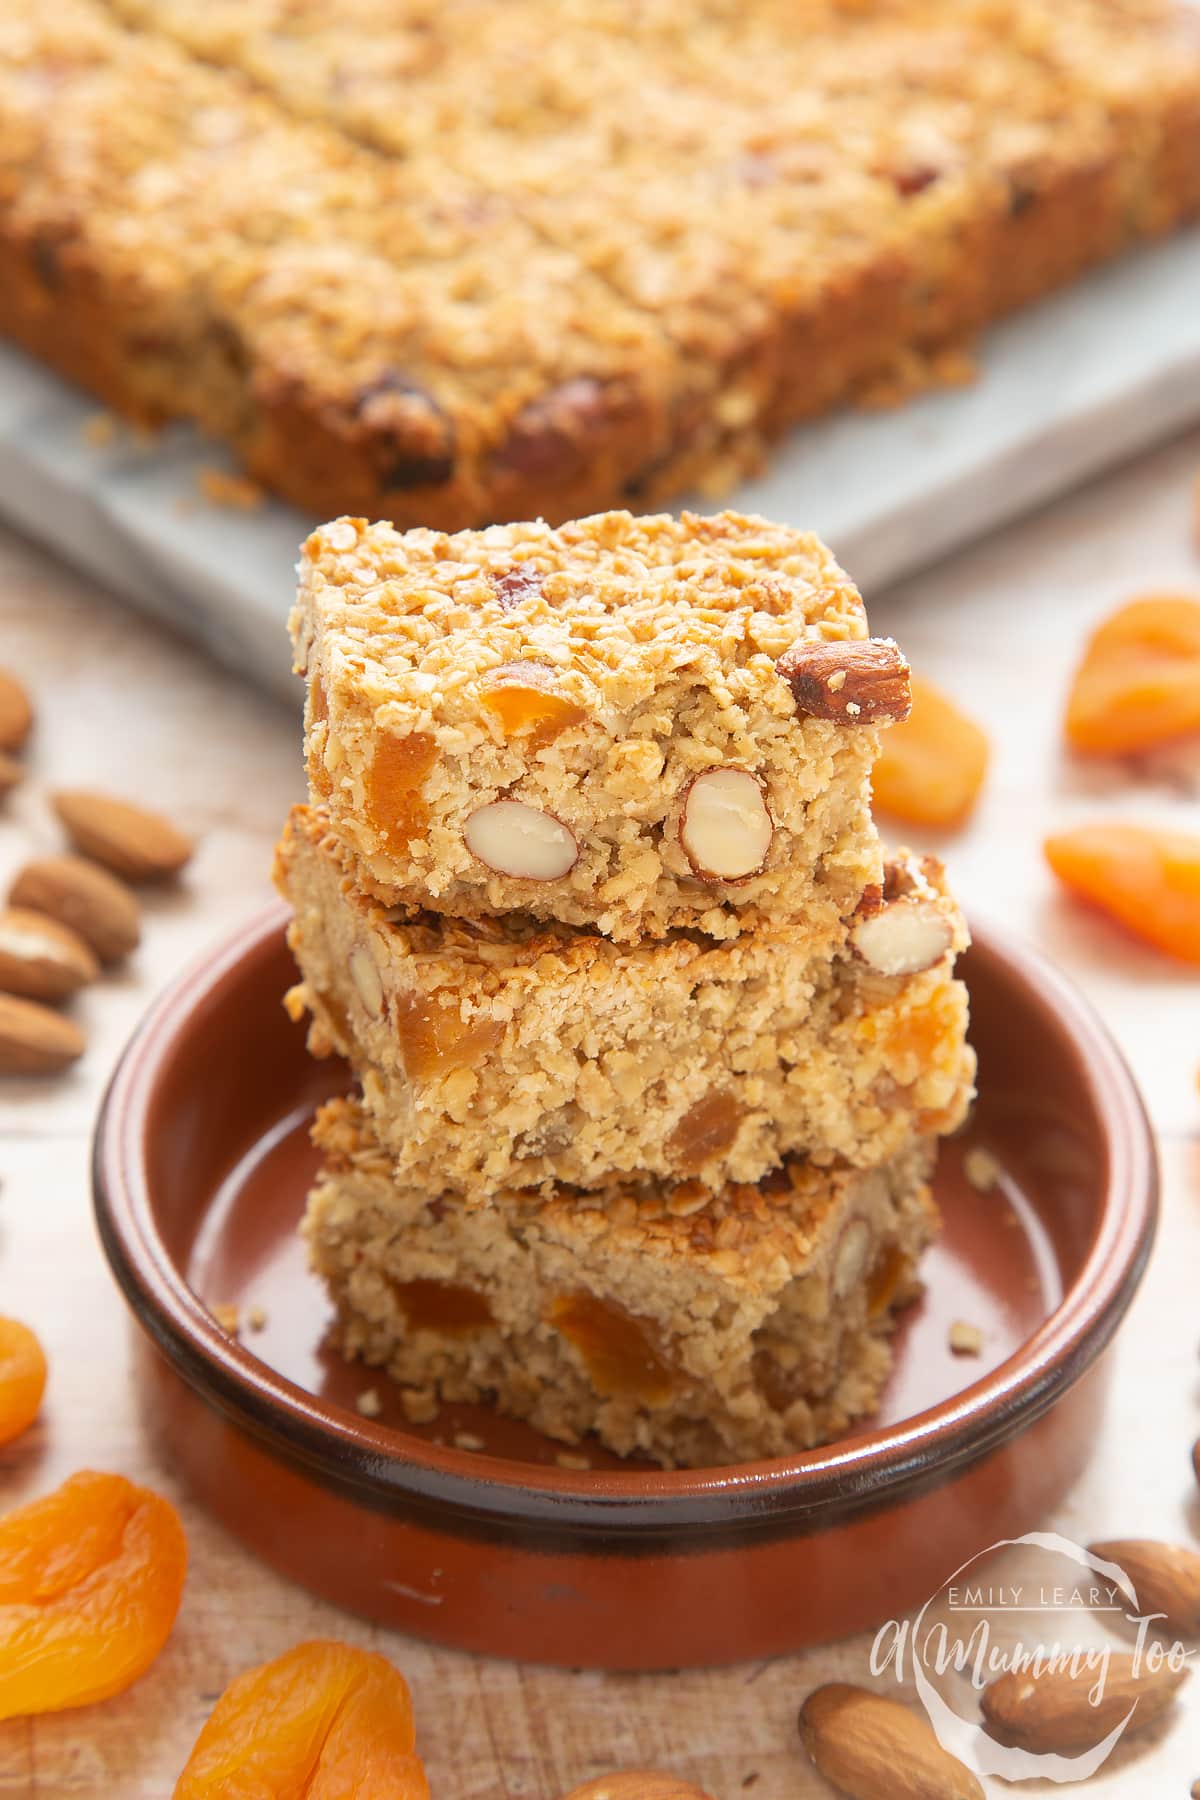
[{"x": 126, "y": 706}]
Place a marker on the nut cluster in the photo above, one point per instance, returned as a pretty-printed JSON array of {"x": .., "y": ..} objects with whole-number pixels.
[{"x": 725, "y": 831}]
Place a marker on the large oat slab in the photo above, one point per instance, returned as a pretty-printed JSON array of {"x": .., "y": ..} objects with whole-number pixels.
[{"x": 623, "y": 275}]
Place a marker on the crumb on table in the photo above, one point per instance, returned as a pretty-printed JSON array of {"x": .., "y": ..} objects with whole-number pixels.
[
  {"x": 420, "y": 1405},
  {"x": 964, "y": 1339},
  {"x": 220, "y": 488},
  {"x": 982, "y": 1169},
  {"x": 99, "y": 430}
]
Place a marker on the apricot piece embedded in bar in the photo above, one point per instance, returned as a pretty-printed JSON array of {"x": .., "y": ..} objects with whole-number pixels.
[
  {"x": 1146, "y": 879},
  {"x": 435, "y": 1039},
  {"x": 706, "y": 1130},
  {"x": 320, "y": 777},
  {"x": 621, "y": 1357},
  {"x": 1138, "y": 685},
  {"x": 22, "y": 1379},
  {"x": 91, "y": 1578},
  {"x": 932, "y": 767},
  {"x": 886, "y": 1280},
  {"x": 523, "y": 697},
  {"x": 913, "y": 1038},
  {"x": 318, "y": 713},
  {"x": 322, "y": 1722},
  {"x": 442, "y": 1305},
  {"x": 396, "y": 805}
]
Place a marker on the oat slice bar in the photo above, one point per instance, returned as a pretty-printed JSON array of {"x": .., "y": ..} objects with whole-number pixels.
[
  {"x": 608, "y": 724},
  {"x": 503, "y": 1053},
  {"x": 679, "y": 1325}
]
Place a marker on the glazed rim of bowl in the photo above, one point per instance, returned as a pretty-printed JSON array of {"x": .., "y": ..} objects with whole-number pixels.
[{"x": 389, "y": 1469}]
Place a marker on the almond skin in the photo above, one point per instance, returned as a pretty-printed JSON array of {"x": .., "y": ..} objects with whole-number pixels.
[
  {"x": 41, "y": 959},
  {"x": 637, "y": 1784},
  {"x": 869, "y": 1747},
  {"x": 34, "y": 1040},
  {"x": 85, "y": 898},
  {"x": 1165, "y": 1577},
  {"x": 1051, "y": 1715},
  {"x": 129, "y": 840},
  {"x": 16, "y": 712},
  {"x": 860, "y": 682}
]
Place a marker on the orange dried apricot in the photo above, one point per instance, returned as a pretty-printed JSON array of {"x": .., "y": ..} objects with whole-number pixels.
[
  {"x": 322, "y": 1722},
  {"x": 706, "y": 1129},
  {"x": 886, "y": 1280},
  {"x": 1139, "y": 682},
  {"x": 435, "y": 1039},
  {"x": 22, "y": 1379},
  {"x": 396, "y": 805},
  {"x": 1147, "y": 879},
  {"x": 933, "y": 765},
  {"x": 523, "y": 698},
  {"x": 449, "y": 1306},
  {"x": 621, "y": 1356},
  {"x": 91, "y": 1578}
]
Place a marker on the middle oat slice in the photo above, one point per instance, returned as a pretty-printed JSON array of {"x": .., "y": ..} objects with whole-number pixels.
[{"x": 504, "y": 1053}]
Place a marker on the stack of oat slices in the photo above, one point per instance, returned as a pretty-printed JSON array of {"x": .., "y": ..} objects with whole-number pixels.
[{"x": 653, "y": 1042}]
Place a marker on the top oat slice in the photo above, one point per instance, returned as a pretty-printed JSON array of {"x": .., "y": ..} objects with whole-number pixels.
[{"x": 637, "y": 725}]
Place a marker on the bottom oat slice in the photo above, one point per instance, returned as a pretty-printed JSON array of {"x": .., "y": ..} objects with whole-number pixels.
[{"x": 690, "y": 1327}]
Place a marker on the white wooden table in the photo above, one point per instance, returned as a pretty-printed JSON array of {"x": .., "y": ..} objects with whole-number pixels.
[{"x": 124, "y": 706}]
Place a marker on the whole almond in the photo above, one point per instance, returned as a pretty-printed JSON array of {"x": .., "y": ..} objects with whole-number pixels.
[
  {"x": 11, "y": 772},
  {"x": 85, "y": 898},
  {"x": 16, "y": 713},
  {"x": 1051, "y": 1714},
  {"x": 872, "y": 1747},
  {"x": 637, "y": 1784},
  {"x": 1165, "y": 1577},
  {"x": 35, "y": 1040},
  {"x": 41, "y": 959},
  {"x": 129, "y": 840}
]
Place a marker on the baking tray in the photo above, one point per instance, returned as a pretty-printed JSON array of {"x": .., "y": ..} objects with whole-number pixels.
[{"x": 1072, "y": 385}]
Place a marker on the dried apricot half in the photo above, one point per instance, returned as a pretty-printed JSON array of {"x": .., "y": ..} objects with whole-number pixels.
[
  {"x": 90, "y": 1582},
  {"x": 22, "y": 1378},
  {"x": 1138, "y": 685},
  {"x": 322, "y": 1722},
  {"x": 932, "y": 765},
  {"x": 1148, "y": 880}
]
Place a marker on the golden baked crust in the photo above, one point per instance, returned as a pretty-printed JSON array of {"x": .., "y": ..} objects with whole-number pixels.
[
  {"x": 591, "y": 675},
  {"x": 366, "y": 332},
  {"x": 502, "y": 258},
  {"x": 502, "y": 1053},
  {"x": 692, "y": 1328}
]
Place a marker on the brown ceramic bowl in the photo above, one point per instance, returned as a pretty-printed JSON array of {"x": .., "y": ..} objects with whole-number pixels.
[{"x": 201, "y": 1167}]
